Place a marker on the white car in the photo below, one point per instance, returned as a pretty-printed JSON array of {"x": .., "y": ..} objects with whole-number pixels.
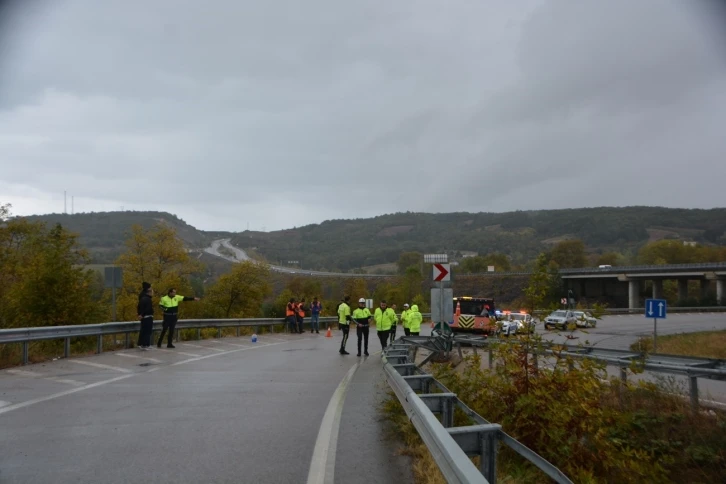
[
  {"x": 514, "y": 323},
  {"x": 584, "y": 319},
  {"x": 560, "y": 319}
]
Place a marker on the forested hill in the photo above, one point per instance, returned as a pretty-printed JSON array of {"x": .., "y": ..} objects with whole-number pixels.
[{"x": 350, "y": 244}]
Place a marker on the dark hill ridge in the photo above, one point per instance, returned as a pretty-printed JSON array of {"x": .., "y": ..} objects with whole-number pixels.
[{"x": 348, "y": 244}]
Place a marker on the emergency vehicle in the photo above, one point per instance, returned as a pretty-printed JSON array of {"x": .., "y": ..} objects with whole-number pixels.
[{"x": 474, "y": 314}]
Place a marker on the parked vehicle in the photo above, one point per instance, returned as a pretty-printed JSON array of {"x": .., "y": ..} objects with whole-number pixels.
[
  {"x": 584, "y": 319},
  {"x": 560, "y": 319},
  {"x": 516, "y": 323}
]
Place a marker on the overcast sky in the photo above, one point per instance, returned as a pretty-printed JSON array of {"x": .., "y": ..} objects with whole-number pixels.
[{"x": 281, "y": 113}]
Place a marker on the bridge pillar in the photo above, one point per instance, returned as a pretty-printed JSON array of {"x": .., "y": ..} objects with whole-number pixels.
[
  {"x": 682, "y": 289},
  {"x": 705, "y": 288},
  {"x": 633, "y": 294},
  {"x": 719, "y": 291},
  {"x": 657, "y": 288}
]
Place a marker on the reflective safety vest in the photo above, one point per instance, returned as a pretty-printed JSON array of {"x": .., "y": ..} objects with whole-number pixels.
[
  {"x": 414, "y": 319},
  {"x": 362, "y": 315},
  {"x": 170, "y": 305},
  {"x": 290, "y": 309},
  {"x": 385, "y": 319},
  {"x": 301, "y": 310},
  {"x": 343, "y": 313},
  {"x": 404, "y": 317}
]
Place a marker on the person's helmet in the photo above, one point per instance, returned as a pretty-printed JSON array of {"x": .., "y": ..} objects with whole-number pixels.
[{"x": 362, "y": 300}]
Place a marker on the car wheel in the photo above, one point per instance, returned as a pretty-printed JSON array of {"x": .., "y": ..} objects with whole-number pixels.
[{"x": 547, "y": 326}]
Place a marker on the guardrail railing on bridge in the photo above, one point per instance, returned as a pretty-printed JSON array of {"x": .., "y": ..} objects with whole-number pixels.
[
  {"x": 452, "y": 446},
  {"x": 47, "y": 333}
]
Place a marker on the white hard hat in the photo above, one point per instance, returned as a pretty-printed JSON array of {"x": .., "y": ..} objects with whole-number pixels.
[
  {"x": 405, "y": 305},
  {"x": 362, "y": 300}
]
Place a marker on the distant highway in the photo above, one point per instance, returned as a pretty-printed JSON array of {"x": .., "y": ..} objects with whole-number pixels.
[{"x": 241, "y": 255}]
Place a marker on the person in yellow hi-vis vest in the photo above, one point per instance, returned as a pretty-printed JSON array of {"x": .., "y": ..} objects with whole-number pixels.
[
  {"x": 344, "y": 320},
  {"x": 414, "y": 321},
  {"x": 170, "y": 306},
  {"x": 404, "y": 319},
  {"x": 385, "y": 319},
  {"x": 392, "y": 333},
  {"x": 362, "y": 317}
]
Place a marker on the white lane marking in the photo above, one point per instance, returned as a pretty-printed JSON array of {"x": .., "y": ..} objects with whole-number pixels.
[
  {"x": 224, "y": 353},
  {"x": 99, "y": 365},
  {"x": 239, "y": 346},
  {"x": 33, "y": 374},
  {"x": 123, "y": 377},
  {"x": 202, "y": 347},
  {"x": 3, "y": 403},
  {"x": 139, "y": 357},
  {"x": 273, "y": 339},
  {"x": 181, "y": 353},
  {"x": 322, "y": 465},
  {"x": 61, "y": 394}
]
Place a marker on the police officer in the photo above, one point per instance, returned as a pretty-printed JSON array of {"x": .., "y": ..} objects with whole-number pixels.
[
  {"x": 362, "y": 317},
  {"x": 395, "y": 324},
  {"x": 414, "y": 321},
  {"x": 385, "y": 319},
  {"x": 170, "y": 307},
  {"x": 344, "y": 320},
  {"x": 404, "y": 319}
]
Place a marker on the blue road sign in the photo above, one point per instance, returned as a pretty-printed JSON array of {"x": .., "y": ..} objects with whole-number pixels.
[{"x": 656, "y": 308}]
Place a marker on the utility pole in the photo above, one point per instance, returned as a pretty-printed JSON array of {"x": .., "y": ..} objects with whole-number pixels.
[{"x": 72, "y": 204}]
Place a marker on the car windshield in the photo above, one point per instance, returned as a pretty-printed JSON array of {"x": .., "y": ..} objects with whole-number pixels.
[
  {"x": 579, "y": 314},
  {"x": 518, "y": 317},
  {"x": 559, "y": 314}
]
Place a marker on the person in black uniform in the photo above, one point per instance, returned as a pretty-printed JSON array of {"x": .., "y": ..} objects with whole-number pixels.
[{"x": 145, "y": 311}]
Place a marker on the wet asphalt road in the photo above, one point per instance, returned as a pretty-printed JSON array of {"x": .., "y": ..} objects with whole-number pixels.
[{"x": 225, "y": 411}]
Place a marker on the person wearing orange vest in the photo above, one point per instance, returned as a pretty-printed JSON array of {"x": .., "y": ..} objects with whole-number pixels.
[
  {"x": 291, "y": 315},
  {"x": 301, "y": 315}
]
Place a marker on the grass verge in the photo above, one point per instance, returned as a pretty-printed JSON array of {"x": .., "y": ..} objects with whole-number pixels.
[{"x": 708, "y": 344}]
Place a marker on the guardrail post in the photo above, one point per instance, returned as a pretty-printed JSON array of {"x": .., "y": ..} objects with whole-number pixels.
[
  {"x": 99, "y": 344},
  {"x": 67, "y": 348},
  {"x": 176, "y": 335},
  {"x": 219, "y": 332},
  {"x": 693, "y": 380},
  {"x": 25, "y": 352},
  {"x": 257, "y": 329},
  {"x": 272, "y": 328},
  {"x": 447, "y": 415},
  {"x": 488, "y": 458},
  {"x": 199, "y": 334},
  {"x": 127, "y": 340},
  {"x": 238, "y": 331}
]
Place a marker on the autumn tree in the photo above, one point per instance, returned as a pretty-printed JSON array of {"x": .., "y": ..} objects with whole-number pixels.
[
  {"x": 158, "y": 256},
  {"x": 239, "y": 293},
  {"x": 543, "y": 286},
  {"x": 481, "y": 263},
  {"x": 569, "y": 254},
  {"x": 408, "y": 259},
  {"x": 610, "y": 259},
  {"x": 43, "y": 281}
]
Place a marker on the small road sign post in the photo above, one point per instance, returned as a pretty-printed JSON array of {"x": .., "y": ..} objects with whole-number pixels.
[
  {"x": 113, "y": 278},
  {"x": 656, "y": 309},
  {"x": 442, "y": 273}
]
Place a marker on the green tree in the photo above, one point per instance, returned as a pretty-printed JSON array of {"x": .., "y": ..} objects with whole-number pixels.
[
  {"x": 610, "y": 259},
  {"x": 569, "y": 254},
  {"x": 543, "y": 285},
  {"x": 43, "y": 281},
  {"x": 239, "y": 294},
  {"x": 409, "y": 259},
  {"x": 356, "y": 288},
  {"x": 158, "y": 256}
]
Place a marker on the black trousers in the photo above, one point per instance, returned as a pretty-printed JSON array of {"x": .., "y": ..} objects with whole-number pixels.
[
  {"x": 147, "y": 327},
  {"x": 406, "y": 331},
  {"x": 362, "y": 333},
  {"x": 345, "y": 328},
  {"x": 392, "y": 333},
  {"x": 300, "y": 322},
  {"x": 413, "y": 334},
  {"x": 169, "y": 324},
  {"x": 383, "y": 337}
]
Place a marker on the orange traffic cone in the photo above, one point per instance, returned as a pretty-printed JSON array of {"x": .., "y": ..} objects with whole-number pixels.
[{"x": 328, "y": 334}]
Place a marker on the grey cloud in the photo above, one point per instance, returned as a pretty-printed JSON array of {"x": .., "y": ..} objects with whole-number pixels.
[{"x": 284, "y": 113}]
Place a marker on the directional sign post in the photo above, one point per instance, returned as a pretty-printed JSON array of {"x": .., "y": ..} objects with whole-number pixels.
[
  {"x": 442, "y": 273},
  {"x": 656, "y": 309}
]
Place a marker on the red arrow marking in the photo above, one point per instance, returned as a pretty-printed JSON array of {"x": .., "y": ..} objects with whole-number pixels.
[{"x": 442, "y": 272}]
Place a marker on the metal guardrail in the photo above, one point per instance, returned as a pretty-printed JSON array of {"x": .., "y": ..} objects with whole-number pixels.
[
  {"x": 452, "y": 446},
  {"x": 46, "y": 333},
  {"x": 692, "y": 367}
]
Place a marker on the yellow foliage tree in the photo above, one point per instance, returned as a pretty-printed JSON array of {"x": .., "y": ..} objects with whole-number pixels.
[
  {"x": 156, "y": 255},
  {"x": 240, "y": 293}
]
